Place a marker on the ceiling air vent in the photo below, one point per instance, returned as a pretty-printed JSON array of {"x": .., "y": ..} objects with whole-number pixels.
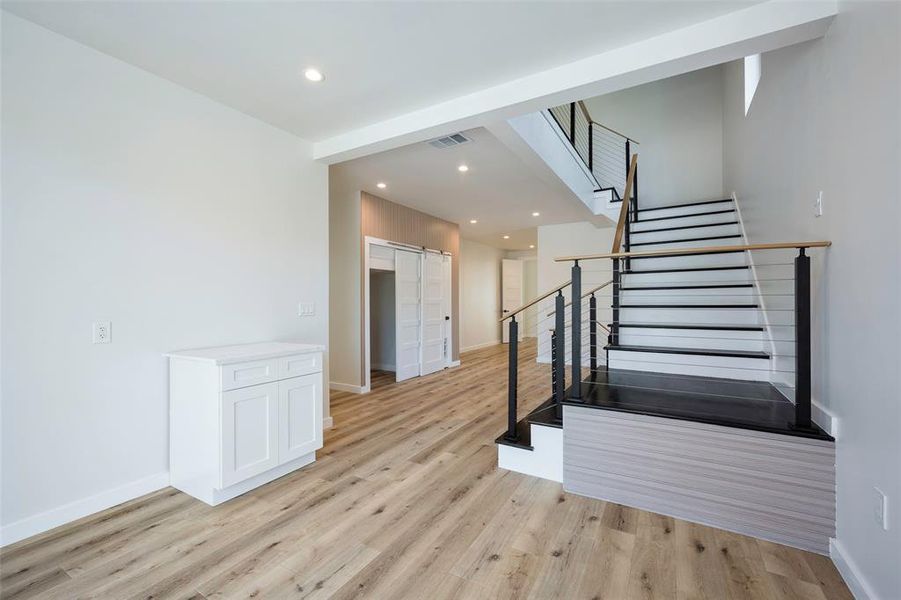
[{"x": 451, "y": 140}]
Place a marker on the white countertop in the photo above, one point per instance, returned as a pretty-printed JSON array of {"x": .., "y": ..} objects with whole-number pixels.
[{"x": 223, "y": 355}]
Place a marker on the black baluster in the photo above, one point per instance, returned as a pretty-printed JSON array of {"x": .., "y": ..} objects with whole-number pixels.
[
  {"x": 576, "y": 320},
  {"x": 512, "y": 372},
  {"x": 802, "y": 341}
]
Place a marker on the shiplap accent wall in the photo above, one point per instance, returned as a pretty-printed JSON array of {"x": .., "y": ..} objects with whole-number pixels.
[
  {"x": 776, "y": 487},
  {"x": 390, "y": 221}
]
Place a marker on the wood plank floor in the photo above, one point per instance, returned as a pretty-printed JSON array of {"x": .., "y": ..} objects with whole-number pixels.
[{"x": 406, "y": 501}]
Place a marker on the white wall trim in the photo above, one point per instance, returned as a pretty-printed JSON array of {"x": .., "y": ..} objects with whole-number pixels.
[
  {"x": 47, "y": 520},
  {"x": 453, "y": 363},
  {"x": 348, "y": 387},
  {"x": 328, "y": 423},
  {"x": 480, "y": 346},
  {"x": 850, "y": 572}
]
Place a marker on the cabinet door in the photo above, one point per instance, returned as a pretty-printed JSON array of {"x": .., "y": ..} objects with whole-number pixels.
[
  {"x": 249, "y": 432},
  {"x": 300, "y": 416}
]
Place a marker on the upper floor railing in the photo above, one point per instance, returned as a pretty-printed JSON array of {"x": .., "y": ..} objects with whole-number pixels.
[{"x": 605, "y": 151}]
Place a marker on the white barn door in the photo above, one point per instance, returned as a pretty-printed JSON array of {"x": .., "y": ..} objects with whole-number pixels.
[
  {"x": 511, "y": 293},
  {"x": 408, "y": 325},
  {"x": 433, "y": 313}
]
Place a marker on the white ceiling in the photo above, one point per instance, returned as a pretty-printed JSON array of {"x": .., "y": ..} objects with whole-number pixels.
[
  {"x": 499, "y": 190},
  {"x": 380, "y": 59}
]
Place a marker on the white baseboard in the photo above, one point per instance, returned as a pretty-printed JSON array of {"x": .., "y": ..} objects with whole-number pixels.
[
  {"x": 328, "y": 423},
  {"x": 480, "y": 346},
  {"x": 850, "y": 572},
  {"x": 453, "y": 363},
  {"x": 346, "y": 387},
  {"x": 47, "y": 520},
  {"x": 824, "y": 418}
]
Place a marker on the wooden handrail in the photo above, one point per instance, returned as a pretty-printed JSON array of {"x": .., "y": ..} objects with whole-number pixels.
[
  {"x": 610, "y": 129},
  {"x": 704, "y": 250},
  {"x": 534, "y": 301},
  {"x": 624, "y": 207},
  {"x": 586, "y": 294}
]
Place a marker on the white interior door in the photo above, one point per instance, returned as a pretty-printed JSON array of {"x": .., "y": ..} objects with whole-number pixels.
[
  {"x": 447, "y": 306},
  {"x": 408, "y": 325},
  {"x": 511, "y": 292},
  {"x": 432, "y": 313}
]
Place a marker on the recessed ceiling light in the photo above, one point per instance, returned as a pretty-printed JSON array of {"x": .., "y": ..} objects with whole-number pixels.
[
  {"x": 531, "y": 246},
  {"x": 381, "y": 185},
  {"x": 536, "y": 214},
  {"x": 314, "y": 75},
  {"x": 462, "y": 168},
  {"x": 506, "y": 237},
  {"x": 473, "y": 221}
]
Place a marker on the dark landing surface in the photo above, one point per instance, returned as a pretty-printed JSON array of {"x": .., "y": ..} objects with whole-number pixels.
[
  {"x": 545, "y": 414},
  {"x": 726, "y": 402}
]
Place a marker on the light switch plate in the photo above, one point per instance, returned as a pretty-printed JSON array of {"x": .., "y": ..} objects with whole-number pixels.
[
  {"x": 818, "y": 205},
  {"x": 306, "y": 309},
  {"x": 880, "y": 508},
  {"x": 102, "y": 332}
]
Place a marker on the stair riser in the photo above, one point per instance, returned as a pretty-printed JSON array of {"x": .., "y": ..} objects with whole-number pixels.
[
  {"x": 696, "y": 244},
  {"x": 690, "y": 315},
  {"x": 677, "y": 339},
  {"x": 678, "y": 234},
  {"x": 686, "y": 278},
  {"x": 684, "y": 210},
  {"x": 704, "y": 219},
  {"x": 693, "y": 296},
  {"x": 706, "y": 366},
  {"x": 730, "y": 259}
]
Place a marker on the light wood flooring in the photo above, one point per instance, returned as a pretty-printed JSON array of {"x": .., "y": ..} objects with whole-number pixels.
[{"x": 406, "y": 501}]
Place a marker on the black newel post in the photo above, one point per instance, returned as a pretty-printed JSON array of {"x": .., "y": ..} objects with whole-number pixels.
[
  {"x": 511, "y": 378},
  {"x": 572, "y": 123},
  {"x": 593, "y": 333},
  {"x": 559, "y": 341},
  {"x": 802, "y": 341},
  {"x": 590, "y": 148},
  {"x": 614, "y": 326},
  {"x": 576, "y": 320}
]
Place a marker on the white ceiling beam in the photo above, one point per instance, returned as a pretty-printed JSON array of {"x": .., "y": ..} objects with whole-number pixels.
[{"x": 758, "y": 28}]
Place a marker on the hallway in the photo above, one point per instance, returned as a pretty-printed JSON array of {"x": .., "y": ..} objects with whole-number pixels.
[{"x": 405, "y": 501}]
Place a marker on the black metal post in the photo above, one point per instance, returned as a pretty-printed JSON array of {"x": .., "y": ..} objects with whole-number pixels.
[
  {"x": 512, "y": 378},
  {"x": 614, "y": 326},
  {"x": 590, "y": 148},
  {"x": 576, "y": 320},
  {"x": 572, "y": 123},
  {"x": 559, "y": 341},
  {"x": 802, "y": 341},
  {"x": 628, "y": 160},
  {"x": 593, "y": 333},
  {"x": 554, "y": 365},
  {"x": 635, "y": 192}
]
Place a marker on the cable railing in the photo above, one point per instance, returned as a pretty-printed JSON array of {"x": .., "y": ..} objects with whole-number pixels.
[{"x": 604, "y": 151}]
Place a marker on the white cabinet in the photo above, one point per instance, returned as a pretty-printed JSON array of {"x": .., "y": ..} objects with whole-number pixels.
[{"x": 241, "y": 416}]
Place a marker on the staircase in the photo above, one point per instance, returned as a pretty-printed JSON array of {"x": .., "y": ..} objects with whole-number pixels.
[
  {"x": 689, "y": 314},
  {"x": 698, "y": 405}
]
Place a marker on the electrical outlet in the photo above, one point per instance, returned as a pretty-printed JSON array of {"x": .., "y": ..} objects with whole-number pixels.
[
  {"x": 818, "y": 205},
  {"x": 880, "y": 508},
  {"x": 306, "y": 309},
  {"x": 103, "y": 332}
]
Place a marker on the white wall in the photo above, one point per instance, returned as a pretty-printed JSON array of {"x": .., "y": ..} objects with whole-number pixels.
[
  {"x": 826, "y": 117},
  {"x": 529, "y": 291},
  {"x": 679, "y": 124},
  {"x": 130, "y": 199},
  {"x": 480, "y": 294},
  {"x": 566, "y": 240},
  {"x": 382, "y": 319}
]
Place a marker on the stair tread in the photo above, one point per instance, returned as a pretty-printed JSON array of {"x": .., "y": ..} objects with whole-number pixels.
[
  {"x": 689, "y": 306},
  {"x": 704, "y": 203},
  {"x": 707, "y": 326},
  {"x": 698, "y": 239},
  {"x": 683, "y": 255},
  {"x": 723, "y": 224},
  {"x": 701, "y": 214},
  {"x": 686, "y": 287},
  {"x": 693, "y": 351}
]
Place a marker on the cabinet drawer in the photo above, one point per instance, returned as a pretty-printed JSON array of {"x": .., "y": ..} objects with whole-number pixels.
[
  {"x": 240, "y": 375},
  {"x": 299, "y": 364}
]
